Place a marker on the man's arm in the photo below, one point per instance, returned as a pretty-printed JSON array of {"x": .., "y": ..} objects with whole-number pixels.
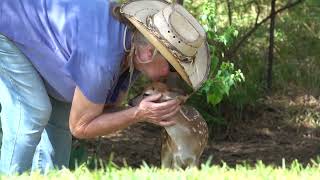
[{"x": 87, "y": 119}]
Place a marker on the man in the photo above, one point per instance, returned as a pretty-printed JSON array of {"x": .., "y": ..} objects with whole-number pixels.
[{"x": 75, "y": 52}]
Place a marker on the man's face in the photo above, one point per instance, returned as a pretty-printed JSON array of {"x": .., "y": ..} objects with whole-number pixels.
[
  {"x": 158, "y": 68},
  {"x": 152, "y": 63}
]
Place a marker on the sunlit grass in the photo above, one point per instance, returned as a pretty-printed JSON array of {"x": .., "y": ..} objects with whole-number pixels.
[{"x": 259, "y": 171}]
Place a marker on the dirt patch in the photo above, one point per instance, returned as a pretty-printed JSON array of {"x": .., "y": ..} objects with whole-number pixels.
[{"x": 282, "y": 128}]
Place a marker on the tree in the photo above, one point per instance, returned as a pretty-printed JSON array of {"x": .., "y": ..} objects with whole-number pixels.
[{"x": 271, "y": 43}]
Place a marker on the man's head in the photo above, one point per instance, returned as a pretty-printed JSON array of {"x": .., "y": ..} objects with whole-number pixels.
[
  {"x": 148, "y": 60},
  {"x": 177, "y": 36}
]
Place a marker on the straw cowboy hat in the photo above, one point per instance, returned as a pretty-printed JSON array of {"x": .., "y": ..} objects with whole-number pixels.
[{"x": 175, "y": 33}]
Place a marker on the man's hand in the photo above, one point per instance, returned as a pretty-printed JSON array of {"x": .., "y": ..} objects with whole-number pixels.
[{"x": 157, "y": 113}]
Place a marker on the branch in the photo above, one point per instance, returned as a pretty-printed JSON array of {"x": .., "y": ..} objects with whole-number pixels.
[
  {"x": 257, "y": 25},
  {"x": 258, "y": 13}
]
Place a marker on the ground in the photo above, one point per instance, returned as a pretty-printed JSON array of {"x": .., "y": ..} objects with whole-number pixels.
[{"x": 281, "y": 127}]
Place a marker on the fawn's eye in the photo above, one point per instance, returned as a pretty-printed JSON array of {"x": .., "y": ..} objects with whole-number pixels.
[{"x": 146, "y": 93}]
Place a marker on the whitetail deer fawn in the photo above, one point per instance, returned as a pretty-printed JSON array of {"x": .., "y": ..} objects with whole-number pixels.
[{"x": 183, "y": 143}]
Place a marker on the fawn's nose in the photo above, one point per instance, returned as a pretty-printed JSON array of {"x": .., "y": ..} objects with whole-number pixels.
[
  {"x": 166, "y": 98},
  {"x": 130, "y": 103},
  {"x": 134, "y": 101}
]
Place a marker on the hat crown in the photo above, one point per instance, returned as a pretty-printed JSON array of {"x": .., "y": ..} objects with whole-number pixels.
[
  {"x": 183, "y": 28},
  {"x": 176, "y": 25},
  {"x": 186, "y": 26}
]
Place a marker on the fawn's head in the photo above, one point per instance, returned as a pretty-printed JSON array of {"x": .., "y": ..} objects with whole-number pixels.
[{"x": 159, "y": 88}]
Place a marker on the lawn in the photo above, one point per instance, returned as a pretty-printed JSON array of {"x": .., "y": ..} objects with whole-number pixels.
[{"x": 245, "y": 172}]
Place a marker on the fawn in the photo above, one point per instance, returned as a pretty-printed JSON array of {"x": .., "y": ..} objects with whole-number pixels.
[{"x": 183, "y": 143}]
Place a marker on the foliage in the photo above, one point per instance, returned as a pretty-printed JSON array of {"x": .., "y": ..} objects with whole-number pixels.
[
  {"x": 220, "y": 85},
  {"x": 296, "y": 63},
  {"x": 223, "y": 74}
]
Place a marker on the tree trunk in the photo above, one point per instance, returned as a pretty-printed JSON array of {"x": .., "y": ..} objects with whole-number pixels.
[
  {"x": 271, "y": 44},
  {"x": 229, "y": 3}
]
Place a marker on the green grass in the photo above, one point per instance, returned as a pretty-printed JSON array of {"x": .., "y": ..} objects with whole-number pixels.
[{"x": 259, "y": 171}]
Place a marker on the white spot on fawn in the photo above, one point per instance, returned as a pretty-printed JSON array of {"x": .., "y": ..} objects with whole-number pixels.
[{"x": 194, "y": 129}]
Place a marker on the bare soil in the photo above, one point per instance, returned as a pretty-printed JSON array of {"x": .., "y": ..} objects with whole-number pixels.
[{"x": 281, "y": 127}]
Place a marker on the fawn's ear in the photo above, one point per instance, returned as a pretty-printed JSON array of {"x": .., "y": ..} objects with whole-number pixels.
[
  {"x": 182, "y": 99},
  {"x": 178, "y": 91}
]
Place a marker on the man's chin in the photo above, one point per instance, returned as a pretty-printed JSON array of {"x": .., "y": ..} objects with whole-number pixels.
[{"x": 159, "y": 79}]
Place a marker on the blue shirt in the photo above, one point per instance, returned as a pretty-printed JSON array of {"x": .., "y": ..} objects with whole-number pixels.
[{"x": 70, "y": 43}]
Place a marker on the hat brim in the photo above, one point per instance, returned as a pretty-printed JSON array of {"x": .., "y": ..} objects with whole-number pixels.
[{"x": 194, "y": 73}]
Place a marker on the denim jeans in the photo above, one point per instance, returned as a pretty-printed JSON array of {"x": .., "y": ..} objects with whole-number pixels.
[{"x": 35, "y": 128}]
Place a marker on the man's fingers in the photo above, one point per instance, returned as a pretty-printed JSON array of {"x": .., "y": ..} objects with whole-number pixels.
[
  {"x": 171, "y": 113},
  {"x": 152, "y": 97},
  {"x": 160, "y": 113},
  {"x": 164, "y": 105},
  {"x": 161, "y": 117},
  {"x": 166, "y": 123},
  {"x": 156, "y": 112}
]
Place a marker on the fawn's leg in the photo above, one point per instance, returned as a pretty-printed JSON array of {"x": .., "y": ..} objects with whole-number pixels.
[{"x": 166, "y": 152}]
